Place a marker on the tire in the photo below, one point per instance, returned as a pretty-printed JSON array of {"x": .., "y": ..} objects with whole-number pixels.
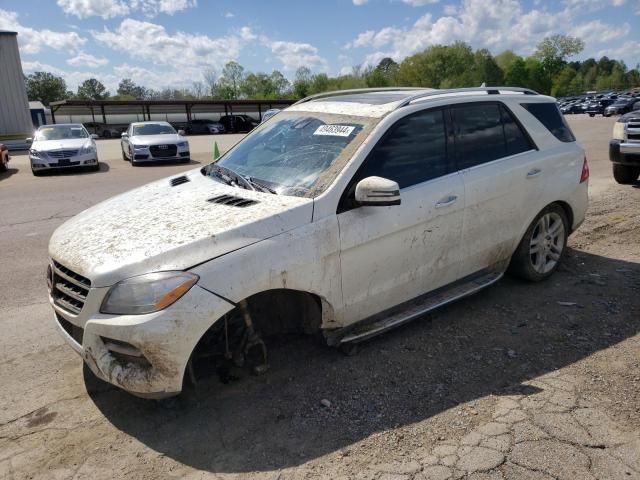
[
  {"x": 624, "y": 174},
  {"x": 549, "y": 230}
]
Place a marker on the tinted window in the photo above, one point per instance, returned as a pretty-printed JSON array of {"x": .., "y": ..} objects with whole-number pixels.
[
  {"x": 517, "y": 141},
  {"x": 479, "y": 134},
  {"x": 549, "y": 115},
  {"x": 413, "y": 151}
]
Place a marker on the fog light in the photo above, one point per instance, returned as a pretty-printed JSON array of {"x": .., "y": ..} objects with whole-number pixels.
[{"x": 125, "y": 352}]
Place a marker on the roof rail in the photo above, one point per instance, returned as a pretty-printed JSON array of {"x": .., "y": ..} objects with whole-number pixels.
[
  {"x": 338, "y": 93},
  {"x": 489, "y": 90}
]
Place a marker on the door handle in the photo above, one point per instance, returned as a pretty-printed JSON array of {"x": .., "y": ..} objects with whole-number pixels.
[
  {"x": 534, "y": 173},
  {"x": 446, "y": 201}
]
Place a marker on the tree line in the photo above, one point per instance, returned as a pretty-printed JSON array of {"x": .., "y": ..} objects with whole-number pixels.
[{"x": 547, "y": 71}]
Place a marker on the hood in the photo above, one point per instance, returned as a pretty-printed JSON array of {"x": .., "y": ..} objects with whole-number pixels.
[
  {"x": 157, "y": 139},
  {"x": 159, "y": 227},
  {"x": 67, "y": 143},
  {"x": 628, "y": 116}
]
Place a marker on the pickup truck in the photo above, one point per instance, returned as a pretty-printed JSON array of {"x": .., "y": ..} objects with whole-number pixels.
[{"x": 624, "y": 148}]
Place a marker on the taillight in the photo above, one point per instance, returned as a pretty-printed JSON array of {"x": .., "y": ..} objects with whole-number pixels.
[{"x": 584, "y": 176}]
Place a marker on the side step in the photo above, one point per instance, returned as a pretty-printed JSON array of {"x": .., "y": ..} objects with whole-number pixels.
[{"x": 418, "y": 307}]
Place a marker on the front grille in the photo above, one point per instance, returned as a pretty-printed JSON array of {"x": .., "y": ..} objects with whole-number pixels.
[
  {"x": 633, "y": 136},
  {"x": 62, "y": 153},
  {"x": 232, "y": 200},
  {"x": 68, "y": 289},
  {"x": 77, "y": 333},
  {"x": 161, "y": 151}
]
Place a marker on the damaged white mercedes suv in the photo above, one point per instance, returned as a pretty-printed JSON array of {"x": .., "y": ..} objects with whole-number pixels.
[{"x": 346, "y": 215}]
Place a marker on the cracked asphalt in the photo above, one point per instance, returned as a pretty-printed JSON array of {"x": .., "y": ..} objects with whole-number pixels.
[{"x": 517, "y": 382}]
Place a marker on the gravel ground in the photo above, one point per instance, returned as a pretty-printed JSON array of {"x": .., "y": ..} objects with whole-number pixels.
[{"x": 518, "y": 382}]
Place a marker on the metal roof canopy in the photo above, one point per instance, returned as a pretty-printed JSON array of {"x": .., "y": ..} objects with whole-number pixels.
[{"x": 148, "y": 107}]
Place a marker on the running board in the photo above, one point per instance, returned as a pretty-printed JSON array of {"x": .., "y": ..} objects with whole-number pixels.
[{"x": 419, "y": 307}]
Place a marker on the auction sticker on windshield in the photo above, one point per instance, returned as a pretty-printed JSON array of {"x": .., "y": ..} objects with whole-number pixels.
[{"x": 335, "y": 130}]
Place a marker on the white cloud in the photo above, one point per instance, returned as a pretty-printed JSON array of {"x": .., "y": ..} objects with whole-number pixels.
[
  {"x": 359, "y": 3},
  {"x": 629, "y": 50},
  {"x": 83, "y": 59},
  {"x": 229, "y": 15},
  {"x": 295, "y": 55},
  {"x": 420, "y": 3},
  {"x": 94, "y": 8},
  {"x": 33, "y": 41},
  {"x": 497, "y": 25},
  {"x": 119, "y": 8},
  {"x": 180, "y": 51}
]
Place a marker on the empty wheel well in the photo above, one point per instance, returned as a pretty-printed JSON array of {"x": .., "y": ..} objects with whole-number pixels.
[{"x": 274, "y": 313}]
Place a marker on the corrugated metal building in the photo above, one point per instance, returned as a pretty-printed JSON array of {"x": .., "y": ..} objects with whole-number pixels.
[{"x": 15, "y": 119}]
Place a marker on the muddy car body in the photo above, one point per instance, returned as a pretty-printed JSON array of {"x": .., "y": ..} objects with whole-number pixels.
[{"x": 346, "y": 215}]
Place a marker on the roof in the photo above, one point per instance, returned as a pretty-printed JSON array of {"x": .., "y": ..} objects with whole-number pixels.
[
  {"x": 8, "y": 32},
  {"x": 377, "y": 102},
  {"x": 53, "y": 125}
]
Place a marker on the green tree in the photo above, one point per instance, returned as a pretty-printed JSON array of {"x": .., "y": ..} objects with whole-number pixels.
[
  {"x": 517, "y": 74},
  {"x": 302, "y": 83},
  {"x": 92, "y": 89},
  {"x": 486, "y": 70},
  {"x": 506, "y": 59},
  {"x": 562, "y": 82},
  {"x": 280, "y": 84},
  {"x": 45, "y": 87},
  {"x": 319, "y": 83},
  {"x": 127, "y": 88},
  {"x": 230, "y": 82},
  {"x": 554, "y": 51}
]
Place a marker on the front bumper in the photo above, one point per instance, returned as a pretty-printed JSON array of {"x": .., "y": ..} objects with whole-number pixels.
[
  {"x": 165, "y": 339},
  {"x": 151, "y": 153},
  {"x": 624, "y": 152},
  {"x": 44, "y": 162}
]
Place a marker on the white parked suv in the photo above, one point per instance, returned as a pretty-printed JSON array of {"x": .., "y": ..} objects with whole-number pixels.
[{"x": 347, "y": 214}]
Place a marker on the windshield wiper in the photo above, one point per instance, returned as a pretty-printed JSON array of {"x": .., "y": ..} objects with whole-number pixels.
[
  {"x": 228, "y": 176},
  {"x": 260, "y": 185}
]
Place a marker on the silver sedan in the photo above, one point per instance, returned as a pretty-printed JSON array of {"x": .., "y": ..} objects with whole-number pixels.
[
  {"x": 62, "y": 146},
  {"x": 152, "y": 142}
]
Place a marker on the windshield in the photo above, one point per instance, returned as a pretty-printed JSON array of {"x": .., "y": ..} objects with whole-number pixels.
[
  {"x": 152, "y": 129},
  {"x": 294, "y": 151},
  {"x": 61, "y": 132}
]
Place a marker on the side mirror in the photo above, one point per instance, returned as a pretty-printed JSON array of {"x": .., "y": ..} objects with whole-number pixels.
[
  {"x": 29, "y": 140},
  {"x": 94, "y": 136},
  {"x": 181, "y": 133},
  {"x": 377, "y": 192},
  {"x": 124, "y": 134}
]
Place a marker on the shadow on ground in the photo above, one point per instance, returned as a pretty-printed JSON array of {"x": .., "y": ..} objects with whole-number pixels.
[
  {"x": 7, "y": 173},
  {"x": 487, "y": 344}
]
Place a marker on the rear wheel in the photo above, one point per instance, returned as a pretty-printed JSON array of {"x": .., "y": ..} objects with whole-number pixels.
[
  {"x": 542, "y": 246},
  {"x": 624, "y": 174}
]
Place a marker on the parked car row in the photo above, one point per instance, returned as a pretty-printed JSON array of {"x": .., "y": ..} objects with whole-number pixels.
[{"x": 605, "y": 104}]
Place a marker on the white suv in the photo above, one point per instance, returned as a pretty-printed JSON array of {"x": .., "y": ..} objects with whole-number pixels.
[{"x": 347, "y": 214}]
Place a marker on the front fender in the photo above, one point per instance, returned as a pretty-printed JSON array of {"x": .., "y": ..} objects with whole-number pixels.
[{"x": 305, "y": 259}]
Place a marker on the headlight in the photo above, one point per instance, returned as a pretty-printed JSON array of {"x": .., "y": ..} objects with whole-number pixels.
[
  {"x": 147, "y": 293},
  {"x": 139, "y": 147},
  {"x": 182, "y": 144},
  {"x": 89, "y": 148},
  {"x": 34, "y": 153},
  {"x": 618, "y": 131}
]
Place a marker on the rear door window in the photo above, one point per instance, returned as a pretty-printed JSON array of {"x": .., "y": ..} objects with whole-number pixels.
[
  {"x": 479, "y": 133},
  {"x": 549, "y": 115}
]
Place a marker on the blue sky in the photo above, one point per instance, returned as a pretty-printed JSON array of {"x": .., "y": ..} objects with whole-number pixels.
[{"x": 161, "y": 43}]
